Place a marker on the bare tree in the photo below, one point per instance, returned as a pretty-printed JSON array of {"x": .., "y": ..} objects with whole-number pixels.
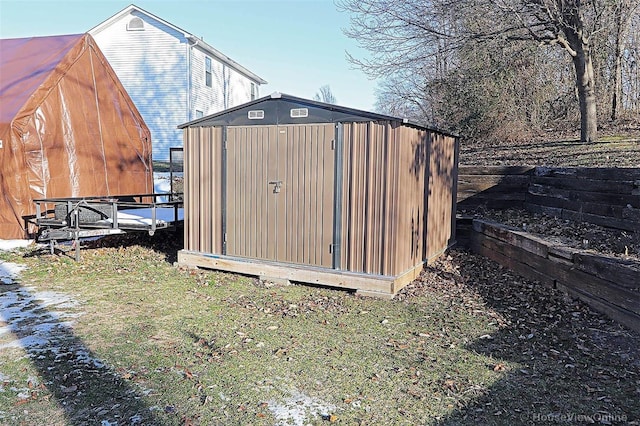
[
  {"x": 325, "y": 95},
  {"x": 423, "y": 35},
  {"x": 630, "y": 99},
  {"x": 623, "y": 14},
  {"x": 570, "y": 25}
]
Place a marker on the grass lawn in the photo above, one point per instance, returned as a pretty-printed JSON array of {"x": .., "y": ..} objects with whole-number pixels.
[
  {"x": 607, "y": 152},
  {"x": 124, "y": 337}
]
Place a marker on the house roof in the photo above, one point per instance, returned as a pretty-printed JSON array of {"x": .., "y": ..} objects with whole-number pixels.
[
  {"x": 277, "y": 110},
  {"x": 195, "y": 40},
  {"x": 26, "y": 63}
]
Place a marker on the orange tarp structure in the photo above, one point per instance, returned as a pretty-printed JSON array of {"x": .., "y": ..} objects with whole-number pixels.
[{"x": 68, "y": 128}]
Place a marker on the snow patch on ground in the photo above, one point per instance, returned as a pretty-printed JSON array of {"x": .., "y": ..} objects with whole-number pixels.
[
  {"x": 10, "y": 272},
  {"x": 161, "y": 182},
  {"x": 9, "y": 245},
  {"x": 299, "y": 409},
  {"x": 35, "y": 320}
]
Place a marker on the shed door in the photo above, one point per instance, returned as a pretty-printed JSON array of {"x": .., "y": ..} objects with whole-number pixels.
[{"x": 280, "y": 193}]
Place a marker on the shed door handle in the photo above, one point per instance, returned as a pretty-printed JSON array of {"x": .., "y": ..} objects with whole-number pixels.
[{"x": 277, "y": 187}]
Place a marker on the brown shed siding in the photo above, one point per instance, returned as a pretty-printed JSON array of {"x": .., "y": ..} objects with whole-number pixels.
[
  {"x": 443, "y": 178},
  {"x": 412, "y": 204},
  {"x": 294, "y": 223},
  {"x": 366, "y": 177},
  {"x": 203, "y": 189},
  {"x": 352, "y": 203},
  {"x": 383, "y": 218},
  {"x": 389, "y": 222},
  {"x": 248, "y": 228}
]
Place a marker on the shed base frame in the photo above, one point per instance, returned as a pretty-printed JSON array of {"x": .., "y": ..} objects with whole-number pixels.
[{"x": 379, "y": 286}]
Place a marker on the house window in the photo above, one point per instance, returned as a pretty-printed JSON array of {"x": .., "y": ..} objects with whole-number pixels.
[
  {"x": 207, "y": 71},
  {"x": 254, "y": 91},
  {"x": 199, "y": 114},
  {"x": 135, "y": 24}
]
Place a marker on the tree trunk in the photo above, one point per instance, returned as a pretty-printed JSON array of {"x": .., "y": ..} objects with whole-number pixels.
[
  {"x": 617, "y": 84},
  {"x": 617, "y": 70},
  {"x": 585, "y": 82}
]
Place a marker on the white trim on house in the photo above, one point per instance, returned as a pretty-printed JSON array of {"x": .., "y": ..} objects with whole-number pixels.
[
  {"x": 196, "y": 41},
  {"x": 162, "y": 67}
]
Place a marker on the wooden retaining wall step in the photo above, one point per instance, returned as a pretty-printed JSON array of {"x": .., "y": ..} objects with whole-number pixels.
[
  {"x": 584, "y": 184},
  {"x": 624, "y": 272},
  {"x": 607, "y": 197},
  {"x": 622, "y": 316},
  {"x": 572, "y": 197},
  {"x": 508, "y": 256},
  {"x": 513, "y": 236},
  {"x": 601, "y": 173},
  {"x": 608, "y": 284},
  {"x": 494, "y": 187}
]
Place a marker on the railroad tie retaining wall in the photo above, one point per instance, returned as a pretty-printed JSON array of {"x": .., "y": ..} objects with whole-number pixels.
[
  {"x": 608, "y": 284},
  {"x": 494, "y": 187},
  {"x": 604, "y": 196}
]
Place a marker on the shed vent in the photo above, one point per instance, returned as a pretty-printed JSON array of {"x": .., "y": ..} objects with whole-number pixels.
[
  {"x": 256, "y": 114},
  {"x": 299, "y": 112}
]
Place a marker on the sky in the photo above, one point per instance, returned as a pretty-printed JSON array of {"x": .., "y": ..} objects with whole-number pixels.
[{"x": 296, "y": 45}]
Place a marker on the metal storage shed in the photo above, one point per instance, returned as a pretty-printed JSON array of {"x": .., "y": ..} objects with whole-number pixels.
[
  {"x": 67, "y": 128},
  {"x": 305, "y": 191}
]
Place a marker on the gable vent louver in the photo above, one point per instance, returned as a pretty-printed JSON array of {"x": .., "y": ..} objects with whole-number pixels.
[
  {"x": 135, "y": 24},
  {"x": 299, "y": 112},
  {"x": 256, "y": 114}
]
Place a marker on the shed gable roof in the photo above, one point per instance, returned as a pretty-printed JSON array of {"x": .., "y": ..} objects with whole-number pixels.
[
  {"x": 277, "y": 110},
  {"x": 196, "y": 41}
]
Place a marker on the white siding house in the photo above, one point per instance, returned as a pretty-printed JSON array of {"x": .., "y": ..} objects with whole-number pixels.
[{"x": 171, "y": 75}]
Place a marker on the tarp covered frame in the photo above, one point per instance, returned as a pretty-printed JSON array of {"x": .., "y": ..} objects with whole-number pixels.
[{"x": 68, "y": 128}]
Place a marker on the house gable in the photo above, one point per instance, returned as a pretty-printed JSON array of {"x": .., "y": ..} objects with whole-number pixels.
[
  {"x": 150, "y": 57},
  {"x": 163, "y": 68}
]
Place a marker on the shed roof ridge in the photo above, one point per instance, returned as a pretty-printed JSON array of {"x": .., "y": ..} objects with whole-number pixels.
[{"x": 278, "y": 96}]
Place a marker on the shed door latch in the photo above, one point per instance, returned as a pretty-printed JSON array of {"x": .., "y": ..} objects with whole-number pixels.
[{"x": 277, "y": 187}]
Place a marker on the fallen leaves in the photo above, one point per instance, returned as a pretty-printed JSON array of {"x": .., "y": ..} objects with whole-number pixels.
[
  {"x": 69, "y": 389},
  {"x": 500, "y": 367},
  {"x": 449, "y": 345},
  {"x": 331, "y": 418},
  {"x": 575, "y": 234},
  {"x": 397, "y": 345},
  {"x": 450, "y": 384}
]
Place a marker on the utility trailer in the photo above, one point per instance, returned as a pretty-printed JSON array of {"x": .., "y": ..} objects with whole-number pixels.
[{"x": 70, "y": 219}]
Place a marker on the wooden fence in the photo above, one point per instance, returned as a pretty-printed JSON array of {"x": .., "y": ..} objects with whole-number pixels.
[
  {"x": 604, "y": 196},
  {"x": 608, "y": 284}
]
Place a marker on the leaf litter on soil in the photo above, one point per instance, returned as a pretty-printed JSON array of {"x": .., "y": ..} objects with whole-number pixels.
[{"x": 468, "y": 342}]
